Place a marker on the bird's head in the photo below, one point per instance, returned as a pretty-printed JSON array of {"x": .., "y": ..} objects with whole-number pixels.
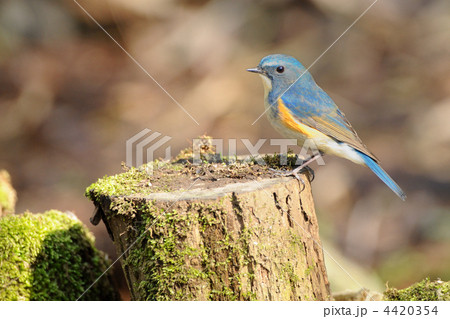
[{"x": 280, "y": 71}]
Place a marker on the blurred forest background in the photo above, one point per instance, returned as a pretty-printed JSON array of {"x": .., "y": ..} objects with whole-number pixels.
[{"x": 70, "y": 98}]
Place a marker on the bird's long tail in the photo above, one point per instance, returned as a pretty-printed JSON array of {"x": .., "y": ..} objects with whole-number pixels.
[{"x": 383, "y": 175}]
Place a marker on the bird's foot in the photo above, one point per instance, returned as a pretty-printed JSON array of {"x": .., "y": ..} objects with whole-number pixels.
[
  {"x": 295, "y": 172},
  {"x": 298, "y": 169}
]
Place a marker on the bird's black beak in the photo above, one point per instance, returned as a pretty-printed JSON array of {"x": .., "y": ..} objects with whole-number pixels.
[{"x": 256, "y": 70}]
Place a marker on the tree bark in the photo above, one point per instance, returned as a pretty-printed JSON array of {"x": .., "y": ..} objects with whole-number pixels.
[{"x": 255, "y": 240}]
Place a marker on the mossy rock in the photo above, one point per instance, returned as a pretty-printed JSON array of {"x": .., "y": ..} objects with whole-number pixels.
[
  {"x": 8, "y": 195},
  {"x": 50, "y": 256},
  {"x": 425, "y": 290}
]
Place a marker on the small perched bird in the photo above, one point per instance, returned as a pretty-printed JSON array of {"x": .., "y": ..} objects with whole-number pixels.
[{"x": 298, "y": 108}]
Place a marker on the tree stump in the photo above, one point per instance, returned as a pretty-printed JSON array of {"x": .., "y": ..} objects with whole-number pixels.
[{"x": 213, "y": 232}]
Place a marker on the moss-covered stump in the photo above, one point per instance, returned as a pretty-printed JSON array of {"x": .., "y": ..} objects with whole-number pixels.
[
  {"x": 50, "y": 256},
  {"x": 213, "y": 232}
]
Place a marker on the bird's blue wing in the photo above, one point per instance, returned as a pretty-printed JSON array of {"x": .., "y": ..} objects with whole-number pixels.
[{"x": 313, "y": 107}]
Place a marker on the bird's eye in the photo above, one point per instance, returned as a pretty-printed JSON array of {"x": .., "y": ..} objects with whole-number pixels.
[{"x": 280, "y": 69}]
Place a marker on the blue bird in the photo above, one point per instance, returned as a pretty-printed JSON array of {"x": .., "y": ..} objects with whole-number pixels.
[{"x": 298, "y": 108}]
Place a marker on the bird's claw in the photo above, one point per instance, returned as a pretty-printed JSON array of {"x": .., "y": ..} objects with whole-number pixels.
[{"x": 311, "y": 173}]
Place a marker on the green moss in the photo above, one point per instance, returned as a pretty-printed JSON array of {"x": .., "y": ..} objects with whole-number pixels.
[
  {"x": 50, "y": 256},
  {"x": 425, "y": 290},
  {"x": 275, "y": 160},
  {"x": 133, "y": 181},
  {"x": 7, "y": 193},
  {"x": 296, "y": 242},
  {"x": 288, "y": 269},
  {"x": 171, "y": 265},
  {"x": 308, "y": 270}
]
